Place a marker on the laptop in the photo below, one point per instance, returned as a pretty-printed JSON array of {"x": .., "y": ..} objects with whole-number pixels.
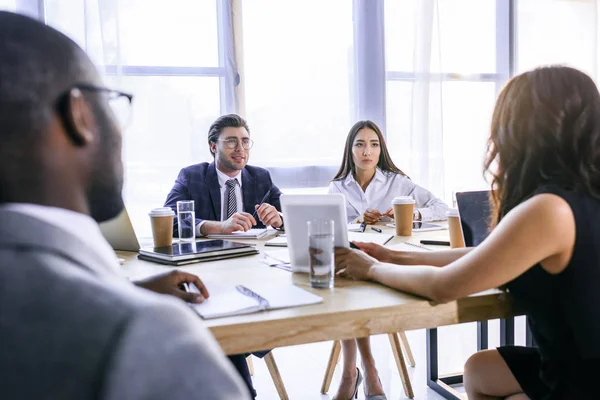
[
  {"x": 119, "y": 233},
  {"x": 475, "y": 211},
  {"x": 298, "y": 209}
]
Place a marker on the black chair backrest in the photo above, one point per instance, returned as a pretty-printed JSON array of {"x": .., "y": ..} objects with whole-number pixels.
[{"x": 475, "y": 212}]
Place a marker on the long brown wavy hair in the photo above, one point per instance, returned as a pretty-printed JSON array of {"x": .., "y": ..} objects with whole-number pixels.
[
  {"x": 385, "y": 162},
  {"x": 545, "y": 130}
]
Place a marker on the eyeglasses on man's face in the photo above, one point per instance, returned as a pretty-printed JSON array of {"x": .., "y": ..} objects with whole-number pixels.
[
  {"x": 119, "y": 102},
  {"x": 232, "y": 143}
]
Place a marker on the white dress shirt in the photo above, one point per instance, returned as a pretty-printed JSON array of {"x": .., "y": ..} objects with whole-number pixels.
[
  {"x": 380, "y": 193},
  {"x": 223, "y": 178},
  {"x": 79, "y": 225}
]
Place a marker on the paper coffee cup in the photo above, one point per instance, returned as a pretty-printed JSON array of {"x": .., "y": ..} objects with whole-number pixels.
[
  {"x": 162, "y": 226},
  {"x": 455, "y": 229},
  {"x": 403, "y": 214}
]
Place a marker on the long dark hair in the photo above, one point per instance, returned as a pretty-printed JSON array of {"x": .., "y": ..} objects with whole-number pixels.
[
  {"x": 545, "y": 130},
  {"x": 385, "y": 162}
]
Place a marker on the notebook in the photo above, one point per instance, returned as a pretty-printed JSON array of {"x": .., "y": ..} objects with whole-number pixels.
[
  {"x": 228, "y": 300},
  {"x": 379, "y": 238},
  {"x": 405, "y": 246},
  {"x": 196, "y": 250},
  {"x": 250, "y": 234},
  {"x": 279, "y": 241}
]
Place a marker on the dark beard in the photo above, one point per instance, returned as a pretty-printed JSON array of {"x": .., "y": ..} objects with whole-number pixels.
[{"x": 105, "y": 191}]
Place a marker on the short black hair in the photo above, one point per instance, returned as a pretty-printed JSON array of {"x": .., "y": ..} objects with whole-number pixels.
[
  {"x": 225, "y": 121},
  {"x": 37, "y": 65}
]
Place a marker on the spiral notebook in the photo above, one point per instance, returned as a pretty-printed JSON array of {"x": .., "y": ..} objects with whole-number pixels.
[
  {"x": 228, "y": 300},
  {"x": 405, "y": 246}
]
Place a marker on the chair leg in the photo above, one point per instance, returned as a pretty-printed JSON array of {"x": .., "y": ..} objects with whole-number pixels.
[
  {"x": 274, "y": 371},
  {"x": 250, "y": 365},
  {"x": 406, "y": 347},
  {"x": 401, "y": 364},
  {"x": 333, "y": 360}
]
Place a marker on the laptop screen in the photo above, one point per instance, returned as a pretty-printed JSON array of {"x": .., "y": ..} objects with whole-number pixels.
[{"x": 475, "y": 211}]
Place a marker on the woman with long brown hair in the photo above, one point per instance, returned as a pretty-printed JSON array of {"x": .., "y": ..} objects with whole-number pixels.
[
  {"x": 544, "y": 158},
  {"x": 369, "y": 180}
]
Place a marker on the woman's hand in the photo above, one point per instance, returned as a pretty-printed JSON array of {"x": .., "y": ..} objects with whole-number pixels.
[
  {"x": 374, "y": 250},
  {"x": 389, "y": 212},
  {"x": 354, "y": 264},
  {"x": 371, "y": 216}
]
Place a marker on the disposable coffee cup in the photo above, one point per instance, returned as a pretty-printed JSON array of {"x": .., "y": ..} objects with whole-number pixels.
[
  {"x": 162, "y": 226},
  {"x": 455, "y": 229},
  {"x": 403, "y": 215}
]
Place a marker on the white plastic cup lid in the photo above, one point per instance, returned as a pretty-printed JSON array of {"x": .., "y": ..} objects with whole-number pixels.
[
  {"x": 161, "y": 212},
  {"x": 453, "y": 212},
  {"x": 403, "y": 200}
]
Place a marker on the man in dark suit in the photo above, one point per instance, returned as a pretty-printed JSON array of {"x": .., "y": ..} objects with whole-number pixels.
[{"x": 227, "y": 192}]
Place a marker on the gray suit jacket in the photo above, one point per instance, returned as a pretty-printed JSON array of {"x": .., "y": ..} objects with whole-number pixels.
[{"x": 68, "y": 331}]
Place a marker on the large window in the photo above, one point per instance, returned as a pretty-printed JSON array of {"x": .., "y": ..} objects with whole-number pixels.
[
  {"x": 427, "y": 71},
  {"x": 443, "y": 75},
  {"x": 168, "y": 57},
  {"x": 298, "y": 60},
  {"x": 557, "y": 32}
]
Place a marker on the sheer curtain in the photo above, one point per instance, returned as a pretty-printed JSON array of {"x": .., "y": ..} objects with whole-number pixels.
[
  {"x": 426, "y": 157},
  {"x": 177, "y": 58},
  {"x": 415, "y": 129}
]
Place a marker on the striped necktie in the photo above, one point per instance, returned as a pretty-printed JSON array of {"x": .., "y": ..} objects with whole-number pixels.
[{"x": 231, "y": 198}]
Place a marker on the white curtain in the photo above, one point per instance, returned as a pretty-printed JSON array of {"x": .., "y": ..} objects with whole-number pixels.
[{"x": 426, "y": 155}]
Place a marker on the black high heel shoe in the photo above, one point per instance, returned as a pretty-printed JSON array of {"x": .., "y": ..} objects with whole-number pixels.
[{"x": 356, "y": 385}]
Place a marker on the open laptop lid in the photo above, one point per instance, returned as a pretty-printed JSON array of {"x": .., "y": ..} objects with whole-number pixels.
[
  {"x": 119, "y": 233},
  {"x": 475, "y": 212},
  {"x": 298, "y": 209}
]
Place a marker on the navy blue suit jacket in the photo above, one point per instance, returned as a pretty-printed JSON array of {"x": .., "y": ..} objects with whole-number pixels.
[{"x": 200, "y": 183}]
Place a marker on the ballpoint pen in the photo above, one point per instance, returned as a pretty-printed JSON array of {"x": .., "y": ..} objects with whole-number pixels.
[
  {"x": 265, "y": 197},
  {"x": 376, "y": 229}
]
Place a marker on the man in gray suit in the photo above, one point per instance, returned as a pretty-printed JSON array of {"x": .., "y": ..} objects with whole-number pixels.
[{"x": 70, "y": 326}]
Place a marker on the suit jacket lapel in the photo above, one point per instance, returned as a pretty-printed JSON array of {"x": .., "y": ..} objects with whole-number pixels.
[
  {"x": 248, "y": 191},
  {"x": 212, "y": 182}
]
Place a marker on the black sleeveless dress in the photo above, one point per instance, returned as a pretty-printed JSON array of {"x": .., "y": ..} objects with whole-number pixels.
[{"x": 564, "y": 314}]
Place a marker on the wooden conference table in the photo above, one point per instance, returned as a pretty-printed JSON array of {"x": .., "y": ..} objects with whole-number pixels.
[{"x": 351, "y": 309}]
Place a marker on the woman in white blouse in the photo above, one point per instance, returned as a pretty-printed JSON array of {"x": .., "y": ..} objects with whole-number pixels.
[{"x": 369, "y": 180}]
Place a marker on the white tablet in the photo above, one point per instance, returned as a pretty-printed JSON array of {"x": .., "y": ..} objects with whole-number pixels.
[{"x": 298, "y": 209}]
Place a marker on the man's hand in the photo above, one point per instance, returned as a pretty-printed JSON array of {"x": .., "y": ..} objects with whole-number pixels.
[
  {"x": 168, "y": 283},
  {"x": 238, "y": 222},
  {"x": 371, "y": 216},
  {"x": 377, "y": 251},
  {"x": 353, "y": 264},
  {"x": 268, "y": 215}
]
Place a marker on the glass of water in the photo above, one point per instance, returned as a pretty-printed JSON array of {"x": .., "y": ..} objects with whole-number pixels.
[
  {"x": 320, "y": 248},
  {"x": 186, "y": 220}
]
